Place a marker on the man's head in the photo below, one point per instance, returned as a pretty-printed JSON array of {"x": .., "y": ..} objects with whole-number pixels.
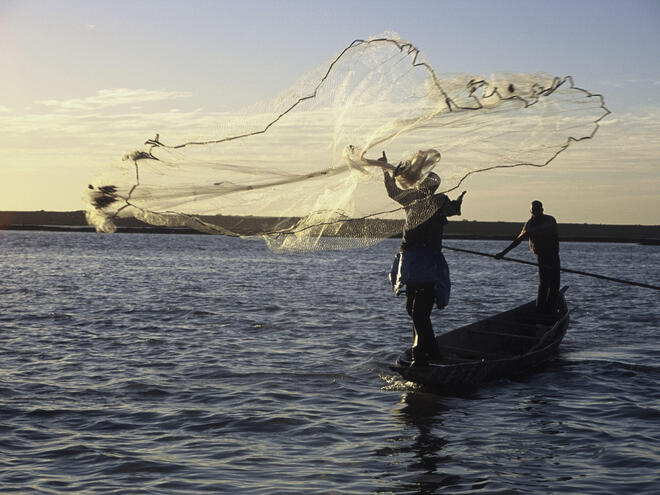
[
  {"x": 430, "y": 183},
  {"x": 537, "y": 208}
]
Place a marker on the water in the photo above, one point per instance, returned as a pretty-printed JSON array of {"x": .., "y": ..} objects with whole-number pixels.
[{"x": 166, "y": 364}]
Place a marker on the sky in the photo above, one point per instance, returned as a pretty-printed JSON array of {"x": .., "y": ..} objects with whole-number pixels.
[{"x": 82, "y": 83}]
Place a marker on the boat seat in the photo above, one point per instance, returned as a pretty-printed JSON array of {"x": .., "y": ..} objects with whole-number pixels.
[
  {"x": 542, "y": 319},
  {"x": 503, "y": 334},
  {"x": 461, "y": 351},
  {"x": 520, "y": 324}
]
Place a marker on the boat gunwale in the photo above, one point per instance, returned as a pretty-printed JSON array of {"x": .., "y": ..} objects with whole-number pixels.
[{"x": 424, "y": 375}]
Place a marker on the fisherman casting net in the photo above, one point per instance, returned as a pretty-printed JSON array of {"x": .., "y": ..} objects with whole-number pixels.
[{"x": 302, "y": 170}]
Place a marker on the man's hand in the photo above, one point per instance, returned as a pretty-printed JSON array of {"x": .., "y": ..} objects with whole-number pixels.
[
  {"x": 388, "y": 177},
  {"x": 460, "y": 198}
]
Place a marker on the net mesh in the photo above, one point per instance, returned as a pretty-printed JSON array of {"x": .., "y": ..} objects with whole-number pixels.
[{"x": 302, "y": 170}]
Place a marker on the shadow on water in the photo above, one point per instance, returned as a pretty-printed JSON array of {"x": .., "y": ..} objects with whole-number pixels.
[
  {"x": 420, "y": 446},
  {"x": 496, "y": 437}
]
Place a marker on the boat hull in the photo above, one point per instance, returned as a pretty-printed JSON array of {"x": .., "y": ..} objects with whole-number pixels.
[{"x": 509, "y": 344}]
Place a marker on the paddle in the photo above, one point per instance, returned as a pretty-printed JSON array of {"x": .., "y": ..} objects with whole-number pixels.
[{"x": 567, "y": 270}]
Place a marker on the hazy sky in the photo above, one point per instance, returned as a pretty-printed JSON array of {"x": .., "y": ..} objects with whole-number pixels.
[{"x": 82, "y": 82}]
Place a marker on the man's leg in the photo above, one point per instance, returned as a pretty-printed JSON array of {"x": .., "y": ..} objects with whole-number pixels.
[
  {"x": 546, "y": 301},
  {"x": 554, "y": 277},
  {"x": 541, "y": 295},
  {"x": 419, "y": 303}
]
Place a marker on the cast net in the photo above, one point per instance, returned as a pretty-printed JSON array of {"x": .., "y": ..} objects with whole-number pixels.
[{"x": 302, "y": 171}]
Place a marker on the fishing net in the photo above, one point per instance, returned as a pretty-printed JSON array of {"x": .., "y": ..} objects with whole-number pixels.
[{"x": 302, "y": 170}]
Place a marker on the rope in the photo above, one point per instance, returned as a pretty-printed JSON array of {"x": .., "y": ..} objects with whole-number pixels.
[{"x": 567, "y": 270}]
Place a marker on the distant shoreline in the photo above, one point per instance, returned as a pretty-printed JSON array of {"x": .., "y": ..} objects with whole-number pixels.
[{"x": 74, "y": 221}]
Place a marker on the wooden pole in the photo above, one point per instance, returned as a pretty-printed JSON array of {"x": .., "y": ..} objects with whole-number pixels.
[{"x": 567, "y": 270}]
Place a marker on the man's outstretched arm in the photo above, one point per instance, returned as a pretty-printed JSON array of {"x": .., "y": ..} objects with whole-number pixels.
[{"x": 521, "y": 237}]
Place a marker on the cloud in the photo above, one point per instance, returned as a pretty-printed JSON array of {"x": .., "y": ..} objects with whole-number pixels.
[
  {"x": 108, "y": 98},
  {"x": 113, "y": 120},
  {"x": 83, "y": 134}
]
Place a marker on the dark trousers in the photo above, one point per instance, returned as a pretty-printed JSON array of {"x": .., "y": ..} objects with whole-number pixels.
[
  {"x": 546, "y": 300},
  {"x": 419, "y": 303}
]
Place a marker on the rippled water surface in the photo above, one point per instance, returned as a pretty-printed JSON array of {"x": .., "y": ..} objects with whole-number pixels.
[{"x": 167, "y": 364}]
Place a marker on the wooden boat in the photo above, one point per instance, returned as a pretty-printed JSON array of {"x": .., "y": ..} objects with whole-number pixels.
[{"x": 505, "y": 345}]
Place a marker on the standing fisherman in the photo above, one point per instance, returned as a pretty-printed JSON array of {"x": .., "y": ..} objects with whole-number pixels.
[
  {"x": 420, "y": 265},
  {"x": 541, "y": 230}
]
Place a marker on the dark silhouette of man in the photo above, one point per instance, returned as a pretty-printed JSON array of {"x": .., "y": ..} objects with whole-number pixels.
[
  {"x": 420, "y": 266},
  {"x": 541, "y": 230}
]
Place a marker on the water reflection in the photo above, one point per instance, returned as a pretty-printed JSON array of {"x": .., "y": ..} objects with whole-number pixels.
[{"x": 421, "y": 446}]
